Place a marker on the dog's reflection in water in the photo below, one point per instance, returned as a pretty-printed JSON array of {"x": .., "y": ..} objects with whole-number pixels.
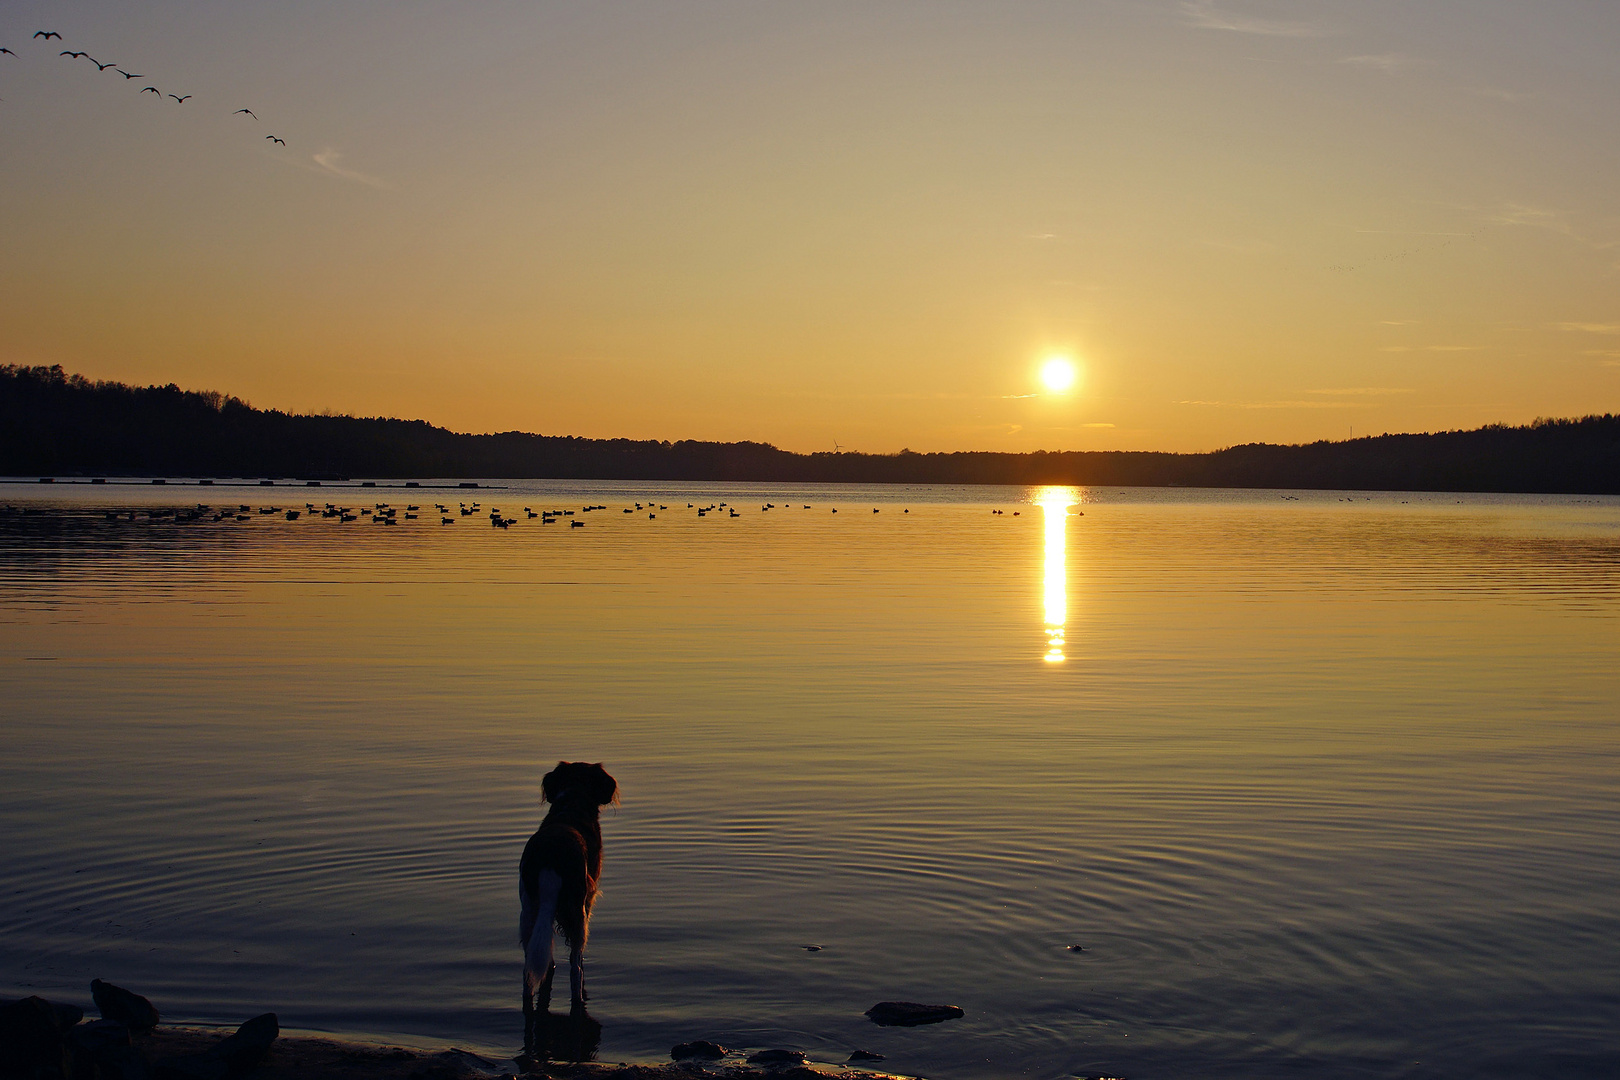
[{"x": 554, "y": 1037}]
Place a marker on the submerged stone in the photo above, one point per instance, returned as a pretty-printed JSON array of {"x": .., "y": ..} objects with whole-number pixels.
[
  {"x": 777, "y": 1057},
  {"x": 910, "y": 1013},
  {"x": 699, "y": 1048}
]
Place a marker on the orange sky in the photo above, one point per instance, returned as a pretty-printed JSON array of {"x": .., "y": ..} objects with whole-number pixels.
[{"x": 805, "y": 223}]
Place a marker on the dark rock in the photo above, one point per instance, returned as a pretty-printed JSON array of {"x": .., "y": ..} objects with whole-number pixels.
[
  {"x": 100, "y": 1049},
  {"x": 31, "y": 1038},
  {"x": 97, "y": 1036},
  {"x": 1077, "y": 948},
  {"x": 910, "y": 1014},
  {"x": 865, "y": 1055},
  {"x": 66, "y": 1015},
  {"x": 233, "y": 1055},
  {"x": 244, "y": 1049},
  {"x": 128, "y": 1008},
  {"x": 777, "y": 1057},
  {"x": 698, "y": 1048}
]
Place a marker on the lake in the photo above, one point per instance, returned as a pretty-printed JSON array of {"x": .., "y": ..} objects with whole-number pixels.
[{"x": 1321, "y": 783}]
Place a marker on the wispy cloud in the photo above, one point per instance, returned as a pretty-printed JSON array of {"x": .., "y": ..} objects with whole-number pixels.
[
  {"x": 1206, "y": 16},
  {"x": 328, "y": 162},
  {"x": 1454, "y": 348},
  {"x": 1275, "y": 404},
  {"x": 1096, "y": 425},
  {"x": 1590, "y": 327},
  {"x": 1537, "y": 217},
  {"x": 1381, "y": 61},
  {"x": 1556, "y": 221}
]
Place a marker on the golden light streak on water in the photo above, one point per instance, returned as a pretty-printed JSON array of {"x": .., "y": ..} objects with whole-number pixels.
[{"x": 1054, "y": 503}]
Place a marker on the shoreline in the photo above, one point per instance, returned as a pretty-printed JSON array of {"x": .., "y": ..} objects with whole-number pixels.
[
  {"x": 45, "y": 1040},
  {"x": 305, "y": 1055}
]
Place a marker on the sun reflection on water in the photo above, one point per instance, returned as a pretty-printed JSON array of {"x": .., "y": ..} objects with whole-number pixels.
[{"x": 1054, "y": 503}]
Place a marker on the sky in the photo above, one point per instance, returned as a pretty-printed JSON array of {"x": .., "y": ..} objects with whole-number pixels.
[{"x": 819, "y": 224}]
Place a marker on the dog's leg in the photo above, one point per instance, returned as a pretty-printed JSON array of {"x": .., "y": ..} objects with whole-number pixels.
[{"x": 576, "y": 978}]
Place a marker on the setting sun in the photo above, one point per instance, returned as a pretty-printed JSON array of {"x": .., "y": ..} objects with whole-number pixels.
[{"x": 1058, "y": 374}]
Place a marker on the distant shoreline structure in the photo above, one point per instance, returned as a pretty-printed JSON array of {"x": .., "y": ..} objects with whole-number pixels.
[{"x": 53, "y": 424}]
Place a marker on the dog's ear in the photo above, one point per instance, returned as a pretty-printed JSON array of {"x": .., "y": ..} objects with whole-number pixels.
[
  {"x": 551, "y": 783},
  {"x": 606, "y": 788}
]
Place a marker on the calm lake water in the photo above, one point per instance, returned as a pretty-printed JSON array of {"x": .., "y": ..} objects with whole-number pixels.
[{"x": 1324, "y": 784}]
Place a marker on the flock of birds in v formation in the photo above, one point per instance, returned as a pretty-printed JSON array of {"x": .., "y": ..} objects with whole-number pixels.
[{"x": 75, "y": 54}]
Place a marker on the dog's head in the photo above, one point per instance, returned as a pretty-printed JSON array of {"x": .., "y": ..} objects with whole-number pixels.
[{"x": 579, "y": 779}]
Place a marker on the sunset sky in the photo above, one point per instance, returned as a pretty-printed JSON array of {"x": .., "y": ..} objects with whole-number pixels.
[{"x": 867, "y": 224}]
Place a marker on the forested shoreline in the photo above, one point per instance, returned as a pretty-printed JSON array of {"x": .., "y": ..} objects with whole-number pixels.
[{"x": 57, "y": 424}]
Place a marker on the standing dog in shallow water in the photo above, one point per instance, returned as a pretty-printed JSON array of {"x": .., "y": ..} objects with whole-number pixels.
[{"x": 557, "y": 882}]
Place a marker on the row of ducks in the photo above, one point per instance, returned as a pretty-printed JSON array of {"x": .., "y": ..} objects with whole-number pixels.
[
  {"x": 200, "y": 511},
  {"x": 386, "y": 514},
  {"x": 383, "y": 513}
]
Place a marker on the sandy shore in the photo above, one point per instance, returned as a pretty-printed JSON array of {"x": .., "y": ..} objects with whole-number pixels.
[{"x": 304, "y": 1057}]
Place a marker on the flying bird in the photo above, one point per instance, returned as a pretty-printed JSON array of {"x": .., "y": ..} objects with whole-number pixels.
[
  {"x": 250, "y": 112},
  {"x": 283, "y": 142},
  {"x": 75, "y": 55},
  {"x": 152, "y": 90},
  {"x": 127, "y": 75},
  {"x": 8, "y": 52},
  {"x": 99, "y": 65},
  {"x": 178, "y": 98},
  {"x": 47, "y": 34}
]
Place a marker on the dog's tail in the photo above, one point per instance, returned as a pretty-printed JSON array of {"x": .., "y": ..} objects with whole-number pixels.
[{"x": 539, "y": 912}]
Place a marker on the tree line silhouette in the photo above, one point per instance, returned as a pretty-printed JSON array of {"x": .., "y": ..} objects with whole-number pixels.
[{"x": 53, "y": 423}]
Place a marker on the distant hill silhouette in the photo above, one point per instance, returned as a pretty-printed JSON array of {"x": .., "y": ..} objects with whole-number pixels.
[{"x": 53, "y": 423}]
